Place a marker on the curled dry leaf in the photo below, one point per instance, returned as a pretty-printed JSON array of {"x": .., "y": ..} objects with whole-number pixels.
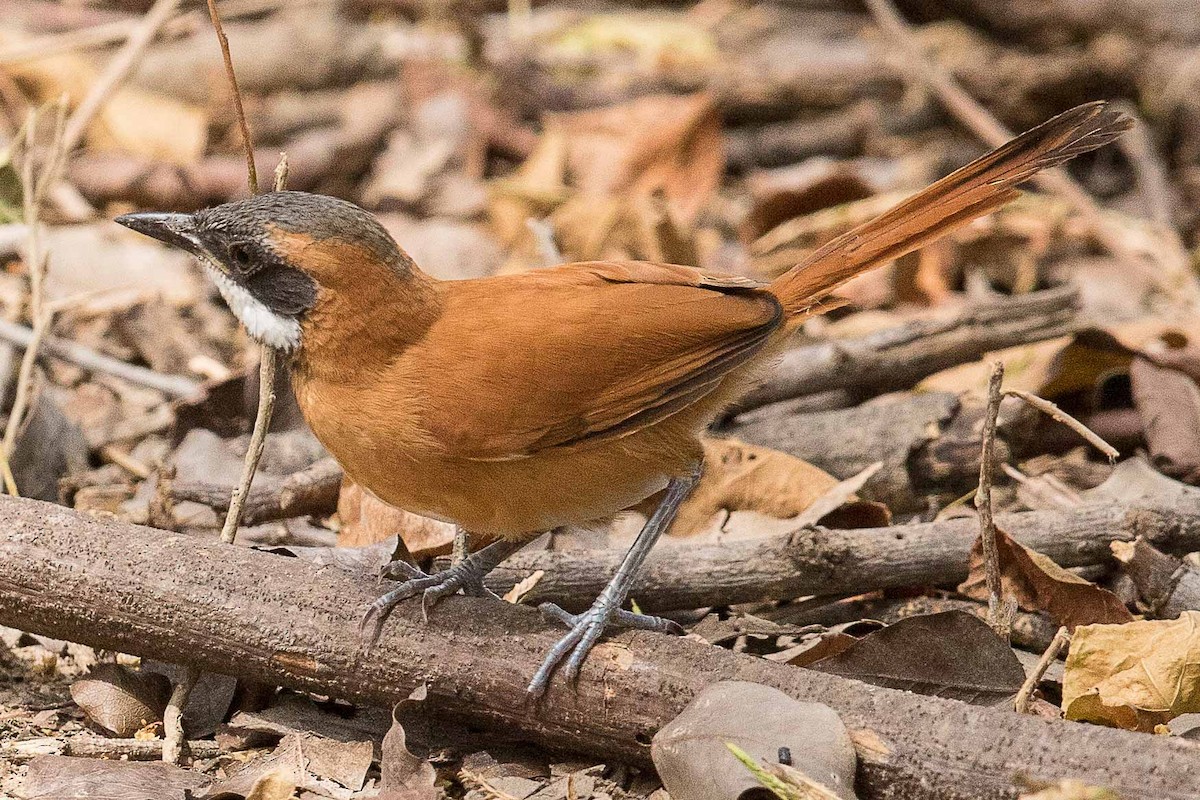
[
  {"x": 404, "y": 775},
  {"x": 121, "y": 700},
  {"x": 951, "y": 654},
  {"x": 745, "y": 477},
  {"x": 1038, "y": 584},
  {"x": 693, "y": 759},
  {"x": 1134, "y": 676}
]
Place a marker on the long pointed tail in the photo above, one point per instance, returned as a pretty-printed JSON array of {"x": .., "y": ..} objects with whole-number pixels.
[{"x": 982, "y": 186}]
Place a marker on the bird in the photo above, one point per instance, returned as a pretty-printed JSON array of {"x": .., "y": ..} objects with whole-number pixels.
[{"x": 514, "y": 404}]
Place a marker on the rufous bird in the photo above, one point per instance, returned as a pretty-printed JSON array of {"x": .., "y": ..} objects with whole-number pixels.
[{"x": 514, "y": 404}]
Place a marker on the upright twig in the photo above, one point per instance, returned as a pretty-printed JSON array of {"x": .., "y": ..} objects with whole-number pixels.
[
  {"x": 1021, "y": 701},
  {"x": 172, "y": 749},
  {"x": 267, "y": 360},
  {"x": 173, "y": 719},
  {"x": 983, "y": 503},
  {"x": 34, "y": 186},
  {"x": 251, "y": 171}
]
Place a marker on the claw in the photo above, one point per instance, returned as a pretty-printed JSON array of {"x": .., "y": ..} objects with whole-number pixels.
[
  {"x": 585, "y": 630},
  {"x": 467, "y": 575}
]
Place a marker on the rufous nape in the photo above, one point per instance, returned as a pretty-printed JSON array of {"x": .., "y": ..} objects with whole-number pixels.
[{"x": 514, "y": 404}]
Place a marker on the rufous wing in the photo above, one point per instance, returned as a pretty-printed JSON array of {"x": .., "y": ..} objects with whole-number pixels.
[{"x": 585, "y": 352}]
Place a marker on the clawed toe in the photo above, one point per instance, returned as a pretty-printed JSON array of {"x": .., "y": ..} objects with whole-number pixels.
[{"x": 585, "y": 630}]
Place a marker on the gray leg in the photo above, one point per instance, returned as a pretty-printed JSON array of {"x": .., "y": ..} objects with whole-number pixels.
[
  {"x": 587, "y": 627},
  {"x": 467, "y": 575}
]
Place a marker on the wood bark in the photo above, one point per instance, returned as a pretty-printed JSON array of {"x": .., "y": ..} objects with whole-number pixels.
[
  {"x": 826, "y": 562},
  {"x": 898, "y": 358},
  {"x": 283, "y": 621},
  {"x": 928, "y": 443}
]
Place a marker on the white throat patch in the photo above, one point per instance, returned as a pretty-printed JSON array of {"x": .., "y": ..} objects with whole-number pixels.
[{"x": 263, "y": 324}]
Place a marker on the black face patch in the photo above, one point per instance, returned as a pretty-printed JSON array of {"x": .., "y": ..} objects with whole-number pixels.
[
  {"x": 285, "y": 290},
  {"x": 236, "y": 236}
]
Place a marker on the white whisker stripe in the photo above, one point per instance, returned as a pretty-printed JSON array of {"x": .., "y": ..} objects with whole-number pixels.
[{"x": 263, "y": 324}]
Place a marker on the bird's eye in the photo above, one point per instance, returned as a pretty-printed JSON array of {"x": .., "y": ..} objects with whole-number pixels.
[{"x": 239, "y": 254}]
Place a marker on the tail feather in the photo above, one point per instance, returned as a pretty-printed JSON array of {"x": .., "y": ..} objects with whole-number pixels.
[{"x": 980, "y": 187}]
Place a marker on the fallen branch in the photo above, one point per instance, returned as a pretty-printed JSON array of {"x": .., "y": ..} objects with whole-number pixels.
[
  {"x": 310, "y": 492},
  {"x": 283, "y": 621},
  {"x": 929, "y": 443},
  {"x": 827, "y": 562},
  {"x": 175, "y": 386},
  {"x": 898, "y": 358}
]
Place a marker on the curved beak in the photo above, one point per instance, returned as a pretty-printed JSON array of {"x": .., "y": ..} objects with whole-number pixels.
[{"x": 174, "y": 229}]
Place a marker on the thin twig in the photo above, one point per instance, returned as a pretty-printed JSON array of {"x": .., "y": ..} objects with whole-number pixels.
[
  {"x": 117, "y": 70},
  {"x": 107, "y": 33},
  {"x": 176, "y": 386},
  {"x": 1058, "y": 415},
  {"x": 34, "y": 190},
  {"x": 983, "y": 124},
  {"x": 267, "y": 359},
  {"x": 172, "y": 750},
  {"x": 1060, "y": 640},
  {"x": 251, "y": 171},
  {"x": 20, "y": 752},
  {"x": 983, "y": 503},
  {"x": 262, "y": 421}
]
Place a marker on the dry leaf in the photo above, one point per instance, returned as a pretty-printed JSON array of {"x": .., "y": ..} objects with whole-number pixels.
[
  {"x": 61, "y": 777},
  {"x": 403, "y": 775},
  {"x": 1134, "y": 676},
  {"x": 951, "y": 654},
  {"x": 367, "y": 520},
  {"x": 1168, "y": 401},
  {"x": 1038, "y": 584},
  {"x": 523, "y": 587},
  {"x": 121, "y": 700},
  {"x": 662, "y": 142},
  {"x": 745, "y": 477},
  {"x": 694, "y": 762}
]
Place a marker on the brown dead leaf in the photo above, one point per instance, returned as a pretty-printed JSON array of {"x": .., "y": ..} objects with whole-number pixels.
[
  {"x": 744, "y": 477},
  {"x": 1136, "y": 675},
  {"x": 950, "y": 654},
  {"x": 367, "y": 520},
  {"x": 665, "y": 143},
  {"x": 403, "y": 775},
  {"x": 131, "y": 120},
  {"x": 121, "y": 700},
  {"x": 1168, "y": 401},
  {"x": 1038, "y": 584},
  {"x": 59, "y": 777},
  {"x": 694, "y": 761}
]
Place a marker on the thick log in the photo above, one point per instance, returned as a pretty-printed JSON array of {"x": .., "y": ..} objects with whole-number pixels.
[
  {"x": 284, "y": 621},
  {"x": 826, "y": 562}
]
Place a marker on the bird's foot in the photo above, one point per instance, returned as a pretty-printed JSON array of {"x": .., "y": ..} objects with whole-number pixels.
[
  {"x": 586, "y": 629},
  {"x": 467, "y": 575},
  {"x": 470, "y": 580}
]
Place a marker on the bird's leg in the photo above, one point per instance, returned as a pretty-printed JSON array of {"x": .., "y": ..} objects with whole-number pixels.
[
  {"x": 586, "y": 628},
  {"x": 467, "y": 575}
]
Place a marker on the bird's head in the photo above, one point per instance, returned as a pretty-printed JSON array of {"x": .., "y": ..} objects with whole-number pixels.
[{"x": 275, "y": 256}]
